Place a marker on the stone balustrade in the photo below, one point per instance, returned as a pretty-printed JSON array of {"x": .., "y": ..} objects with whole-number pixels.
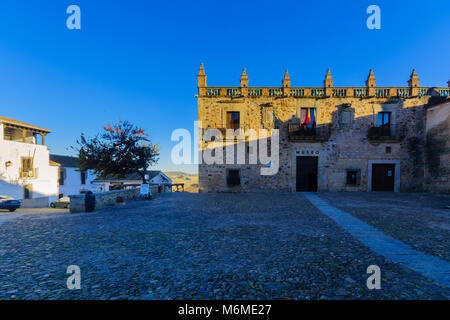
[{"x": 339, "y": 92}]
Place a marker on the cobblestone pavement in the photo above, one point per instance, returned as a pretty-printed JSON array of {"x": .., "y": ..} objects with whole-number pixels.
[
  {"x": 32, "y": 211},
  {"x": 198, "y": 246},
  {"x": 418, "y": 219}
]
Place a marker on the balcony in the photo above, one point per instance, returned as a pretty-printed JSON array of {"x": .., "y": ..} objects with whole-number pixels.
[
  {"x": 387, "y": 133},
  {"x": 319, "y": 133},
  {"x": 29, "y": 174}
]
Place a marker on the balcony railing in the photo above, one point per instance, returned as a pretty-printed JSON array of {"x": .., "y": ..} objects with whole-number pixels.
[
  {"x": 387, "y": 132},
  {"x": 360, "y": 92},
  {"x": 380, "y": 92},
  {"x": 317, "y": 92},
  {"x": 255, "y": 92},
  {"x": 339, "y": 92},
  {"x": 275, "y": 92},
  {"x": 298, "y": 133},
  {"x": 29, "y": 174},
  {"x": 403, "y": 92},
  {"x": 233, "y": 92},
  {"x": 424, "y": 92},
  {"x": 213, "y": 92},
  {"x": 298, "y": 92}
]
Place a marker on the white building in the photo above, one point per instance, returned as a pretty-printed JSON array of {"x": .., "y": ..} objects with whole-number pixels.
[
  {"x": 26, "y": 172},
  {"x": 155, "y": 177},
  {"x": 71, "y": 180}
]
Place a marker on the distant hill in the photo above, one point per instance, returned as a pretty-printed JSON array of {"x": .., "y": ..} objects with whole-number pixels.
[
  {"x": 174, "y": 174},
  {"x": 190, "y": 180}
]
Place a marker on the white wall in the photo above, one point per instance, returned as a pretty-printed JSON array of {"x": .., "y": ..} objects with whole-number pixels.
[
  {"x": 72, "y": 182},
  {"x": 103, "y": 186},
  {"x": 160, "y": 179},
  {"x": 46, "y": 183}
]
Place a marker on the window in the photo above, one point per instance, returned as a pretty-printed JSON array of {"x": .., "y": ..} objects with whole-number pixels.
[
  {"x": 346, "y": 116},
  {"x": 384, "y": 119},
  {"x": 28, "y": 191},
  {"x": 62, "y": 176},
  {"x": 233, "y": 120},
  {"x": 8, "y": 133},
  {"x": 83, "y": 177},
  {"x": 388, "y": 149},
  {"x": 352, "y": 177},
  {"x": 26, "y": 170},
  {"x": 308, "y": 117},
  {"x": 384, "y": 123},
  {"x": 233, "y": 177}
]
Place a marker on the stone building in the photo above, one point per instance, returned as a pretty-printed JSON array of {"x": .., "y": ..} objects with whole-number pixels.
[
  {"x": 437, "y": 148},
  {"x": 331, "y": 138}
]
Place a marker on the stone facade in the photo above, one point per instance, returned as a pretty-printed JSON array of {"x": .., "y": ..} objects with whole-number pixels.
[
  {"x": 437, "y": 148},
  {"x": 346, "y": 136}
]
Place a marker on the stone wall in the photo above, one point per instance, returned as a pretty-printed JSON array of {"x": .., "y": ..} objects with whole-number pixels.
[
  {"x": 347, "y": 148},
  {"x": 41, "y": 202},
  {"x": 437, "y": 149},
  {"x": 106, "y": 199}
]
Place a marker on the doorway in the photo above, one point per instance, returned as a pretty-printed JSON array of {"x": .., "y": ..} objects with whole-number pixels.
[
  {"x": 383, "y": 177},
  {"x": 307, "y": 170}
]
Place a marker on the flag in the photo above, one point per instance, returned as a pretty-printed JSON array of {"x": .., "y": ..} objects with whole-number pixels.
[{"x": 308, "y": 117}]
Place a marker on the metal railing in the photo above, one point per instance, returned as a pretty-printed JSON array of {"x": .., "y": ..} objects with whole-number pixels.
[
  {"x": 297, "y": 132},
  {"x": 386, "y": 132}
]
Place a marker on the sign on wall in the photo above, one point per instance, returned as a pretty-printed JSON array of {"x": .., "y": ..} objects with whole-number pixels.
[{"x": 145, "y": 190}]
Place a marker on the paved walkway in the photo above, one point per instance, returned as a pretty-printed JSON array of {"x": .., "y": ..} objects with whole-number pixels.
[
  {"x": 198, "y": 246},
  {"x": 395, "y": 250},
  {"x": 7, "y": 217}
]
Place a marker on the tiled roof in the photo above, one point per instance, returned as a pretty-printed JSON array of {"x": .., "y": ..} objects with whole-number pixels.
[
  {"x": 64, "y": 161},
  {"x": 130, "y": 177},
  {"x": 53, "y": 163},
  {"x": 22, "y": 124}
]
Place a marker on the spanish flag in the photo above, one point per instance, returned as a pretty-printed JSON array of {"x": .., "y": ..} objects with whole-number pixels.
[{"x": 308, "y": 117}]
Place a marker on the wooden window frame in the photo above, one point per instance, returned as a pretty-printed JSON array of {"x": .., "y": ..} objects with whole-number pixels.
[{"x": 231, "y": 121}]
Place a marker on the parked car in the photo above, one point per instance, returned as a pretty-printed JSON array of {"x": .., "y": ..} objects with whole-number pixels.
[
  {"x": 9, "y": 203},
  {"x": 63, "y": 202}
]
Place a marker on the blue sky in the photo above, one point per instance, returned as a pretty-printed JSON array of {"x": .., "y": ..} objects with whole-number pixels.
[{"x": 138, "y": 60}]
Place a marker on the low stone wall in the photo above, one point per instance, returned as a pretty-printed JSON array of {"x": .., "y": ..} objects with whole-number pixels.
[
  {"x": 41, "y": 202},
  {"x": 105, "y": 199}
]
